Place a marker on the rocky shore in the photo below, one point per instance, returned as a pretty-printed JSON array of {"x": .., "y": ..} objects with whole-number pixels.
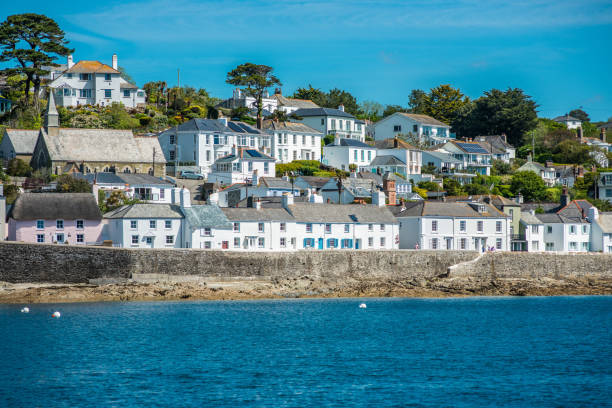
[{"x": 300, "y": 287}]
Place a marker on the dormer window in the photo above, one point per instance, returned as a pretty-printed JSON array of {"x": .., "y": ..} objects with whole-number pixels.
[{"x": 107, "y": 77}]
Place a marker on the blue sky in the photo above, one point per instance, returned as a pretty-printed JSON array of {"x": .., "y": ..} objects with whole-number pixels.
[{"x": 559, "y": 52}]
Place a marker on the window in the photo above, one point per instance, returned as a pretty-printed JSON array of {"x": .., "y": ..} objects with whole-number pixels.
[
  {"x": 207, "y": 232},
  {"x": 107, "y": 77},
  {"x": 224, "y": 244},
  {"x": 572, "y": 229},
  {"x": 355, "y": 153},
  {"x": 347, "y": 228},
  {"x": 434, "y": 243},
  {"x": 237, "y": 242},
  {"x": 108, "y": 93},
  {"x": 550, "y": 246},
  {"x": 59, "y": 238},
  {"x": 415, "y": 128},
  {"x": 207, "y": 245},
  {"x": 59, "y": 224},
  {"x": 534, "y": 229},
  {"x": 308, "y": 227},
  {"x": 434, "y": 226},
  {"x": 382, "y": 227},
  {"x": 479, "y": 226},
  {"x": 283, "y": 226},
  {"x": 549, "y": 229},
  {"x": 149, "y": 240},
  {"x": 370, "y": 227},
  {"x": 333, "y": 123},
  {"x": 331, "y": 243},
  {"x": 585, "y": 246},
  {"x": 346, "y": 243},
  {"x": 535, "y": 246},
  {"x": 369, "y": 155},
  {"x": 126, "y": 93},
  {"x": 169, "y": 239},
  {"x": 236, "y": 227},
  {"x": 363, "y": 155},
  {"x": 266, "y": 167},
  {"x": 40, "y": 238},
  {"x": 133, "y": 224},
  {"x": 294, "y": 155},
  {"x": 397, "y": 128},
  {"x": 573, "y": 246},
  {"x": 85, "y": 93},
  {"x": 382, "y": 242},
  {"x": 463, "y": 243},
  {"x": 462, "y": 226},
  {"x": 260, "y": 242},
  {"x": 152, "y": 224},
  {"x": 260, "y": 227},
  {"x": 172, "y": 138},
  {"x": 498, "y": 243},
  {"x": 322, "y": 121},
  {"x": 283, "y": 242},
  {"x": 84, "y": 77},
  {"x": 498, "y": 226},
  {"x": 328, "y": 228},
  {"x": 40, "y": 224},
  {"x": 370, "y": 241},
  {"x": 585, "y": 229},
  {"x": 80, "y": 238},
  {"x": 134, "y": 239},
  {"x": 162, "y": 193},
  {"x": 172, "y": 155}
]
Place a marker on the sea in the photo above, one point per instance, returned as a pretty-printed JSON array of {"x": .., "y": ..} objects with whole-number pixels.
[{"x": 466, "y": 352}]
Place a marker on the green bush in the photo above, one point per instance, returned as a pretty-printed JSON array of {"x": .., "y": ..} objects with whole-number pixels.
[{"x": 19, "y": 168}]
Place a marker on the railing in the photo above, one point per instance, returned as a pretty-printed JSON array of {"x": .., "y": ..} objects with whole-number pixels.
[
  {"x": 350, "y": 132},
  {"x": 517, "y": 237}
]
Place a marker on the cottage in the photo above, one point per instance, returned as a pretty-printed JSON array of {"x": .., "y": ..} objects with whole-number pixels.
[
  {"x": 290, "y": 105},
  {"x": 424, "y": 128},
  {"x": 601, "y": 232},
  {"x": 143, "y": 187},
  {"x": 63, "y": 218},
  {"x": 474, "y": 157},
  {"x": 241, "y": 165},
  {"x": 18, "y": 143},
  {"x": 343, "y": 153}
]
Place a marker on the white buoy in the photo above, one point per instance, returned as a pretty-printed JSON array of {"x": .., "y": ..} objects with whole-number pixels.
[
  {"x": 362, "y": 306},
  {"x": 25, "y": 310},
  {"x": 56, "y": 315}
]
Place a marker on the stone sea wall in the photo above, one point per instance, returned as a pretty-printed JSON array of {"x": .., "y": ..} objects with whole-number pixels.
[{"x": 29, "y": 263}]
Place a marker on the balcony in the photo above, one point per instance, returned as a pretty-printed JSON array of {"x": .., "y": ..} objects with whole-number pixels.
[
  {"x": 345, "y": 133},
  {"x": 517, "y": 237}
]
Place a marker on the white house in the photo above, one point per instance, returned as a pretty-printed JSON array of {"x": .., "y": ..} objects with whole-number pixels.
[
  {"x": 332, "y": 122},
  {"x": 293, "y": 141},
  {"x": 240, "y": 165},
  {"x": 546, "y": 173},
  {"x": 565, "y": 234},
  {"x": 532, "y": 231},
  {"x": 601, "y": 232},
  {"x": 344, "y": 152},
  {"x": 442, "y": 161},
  {"x": 569, "y": 121},
  {"x": 423, "y": 127},
  {"x": 604, "y": 186},
  {"x": 473, "y": 156},
  {"x": 143, "y": 187},
  {"x": 502, "y": 150},
  {"x": 200, "y": 142},
  {"x": 145, "y": 226},
  {"x": 95, "y": 83},
  {"x": 206, "y": 227},
  {"x": 438, "y": 225},
  {"x": 290, "y": 105},
  {"x": 241, "y": 99}
]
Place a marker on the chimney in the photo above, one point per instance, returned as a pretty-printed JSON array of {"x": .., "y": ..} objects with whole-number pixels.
[
  {"x": 51, "y": 116},
  {"x": 565, "y": 198},
  {"x": 341, "y": 108},
  {"x": 115, "y": 63},
  {"x": 602, "y": 134},
  {"x": 287, "y": 200},
  {"x": 185, "y": 198},
  {"x": 592, "y": 215},
  {"x": 69, "y": 61},
  {"x": 257, "y": 204},
  {"x": 378, "y": 197},
  {"x": 503, "y": 135},
  {"x": 389, "y": 188},
  {"x": 213, "y": 199},
  {"x": 549, "y": 163}
]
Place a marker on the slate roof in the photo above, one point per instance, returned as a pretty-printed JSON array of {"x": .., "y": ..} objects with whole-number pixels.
[
  {"x": 53, "y": 206},
  {"x": 102, "y": 145},
  {"x": 390, "y": 144},
  {"x": 91, "y": 67},
  {"x": 444, "y": 209},
  {"x": 288, "y": 126},
  {"x": 424, "y": 119},
  {"x": 123, "y": 178},
  {"x": 353, "y": 143},
  {"x": 530, "y": 219},
  {"x": 305, "y": 112},
  {"x": 566, "y": 118},
  {"x": 340, "y": 213},
  {"x": 605, "y": 222},
  {"x": 387, "y": 160},
  {"x": 146, "y": 211},
  {"x": 442, "y": 156},
  {"x": 298, "y": 103},
  {"x": 271, "y": 201},
  {"x": 315, "y": 182},
  {"x": 275, "y": 182},
  {"x": 206, "y": 216},
  {"x": 253, "y": 214},
  {"x": 377, "y": 178},
  {"x": 245, "y": 154},
  {"x": 214, "y": 125},
  {"x": 23, "y": 140},
  {"x": 495, "y": 140},
  {"x": 549, "y": 218}
]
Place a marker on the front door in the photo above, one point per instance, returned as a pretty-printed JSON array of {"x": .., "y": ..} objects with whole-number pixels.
[
  {"x": 358, "y": 243},
  {"x": 320, "y": 243},
  {"x": 149, "y": 241}
]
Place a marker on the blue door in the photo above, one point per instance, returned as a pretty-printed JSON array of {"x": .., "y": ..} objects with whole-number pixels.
[
  {"x": 320, "y": 243},
  {"x": 357, "y": 243}
]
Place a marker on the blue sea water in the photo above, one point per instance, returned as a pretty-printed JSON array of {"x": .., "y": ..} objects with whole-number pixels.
[{"x": 472, "y": 352}]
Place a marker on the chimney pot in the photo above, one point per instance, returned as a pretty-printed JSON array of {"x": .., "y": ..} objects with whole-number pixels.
[{"x": 115, "y": 63}]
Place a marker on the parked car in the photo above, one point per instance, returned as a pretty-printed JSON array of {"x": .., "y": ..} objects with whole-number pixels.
[{"x": 188, "y": 174}]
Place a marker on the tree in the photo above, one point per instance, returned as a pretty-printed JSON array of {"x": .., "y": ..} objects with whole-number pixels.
[
  {"x": 116, "y": 199},
  {"x": 416, "y": 101},
  {"x": 337, "y": 97},
  {"x": 529, "y": 184},
  {"x": 580, "y": 114},
  {"x": 391, "y": 109},
  {"x": 445, "y": 103},
  {"x": 19, "y": 168},
  {"x": 452, "y": 187},
  {"x": 313, "y": 94},
  {"x": 371, "y": 110},
  {"x": 572, "y": 151},
  {"x": 510, "y": 112},
  {"x": 68, "y": 184},
  {"x": 34, "y": 41},
  {"x": 256, "y": 79},
  {"x": 125, "y": 75},
  {"x": 500, "y": 167}
]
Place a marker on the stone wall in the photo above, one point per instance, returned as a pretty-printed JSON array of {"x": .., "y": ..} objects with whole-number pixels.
[
  {"x": 72, "y": 264},
  {"x": 531, "y": 265}
]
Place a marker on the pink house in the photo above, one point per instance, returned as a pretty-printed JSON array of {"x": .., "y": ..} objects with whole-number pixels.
[{"x": 72, "y": 218}]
